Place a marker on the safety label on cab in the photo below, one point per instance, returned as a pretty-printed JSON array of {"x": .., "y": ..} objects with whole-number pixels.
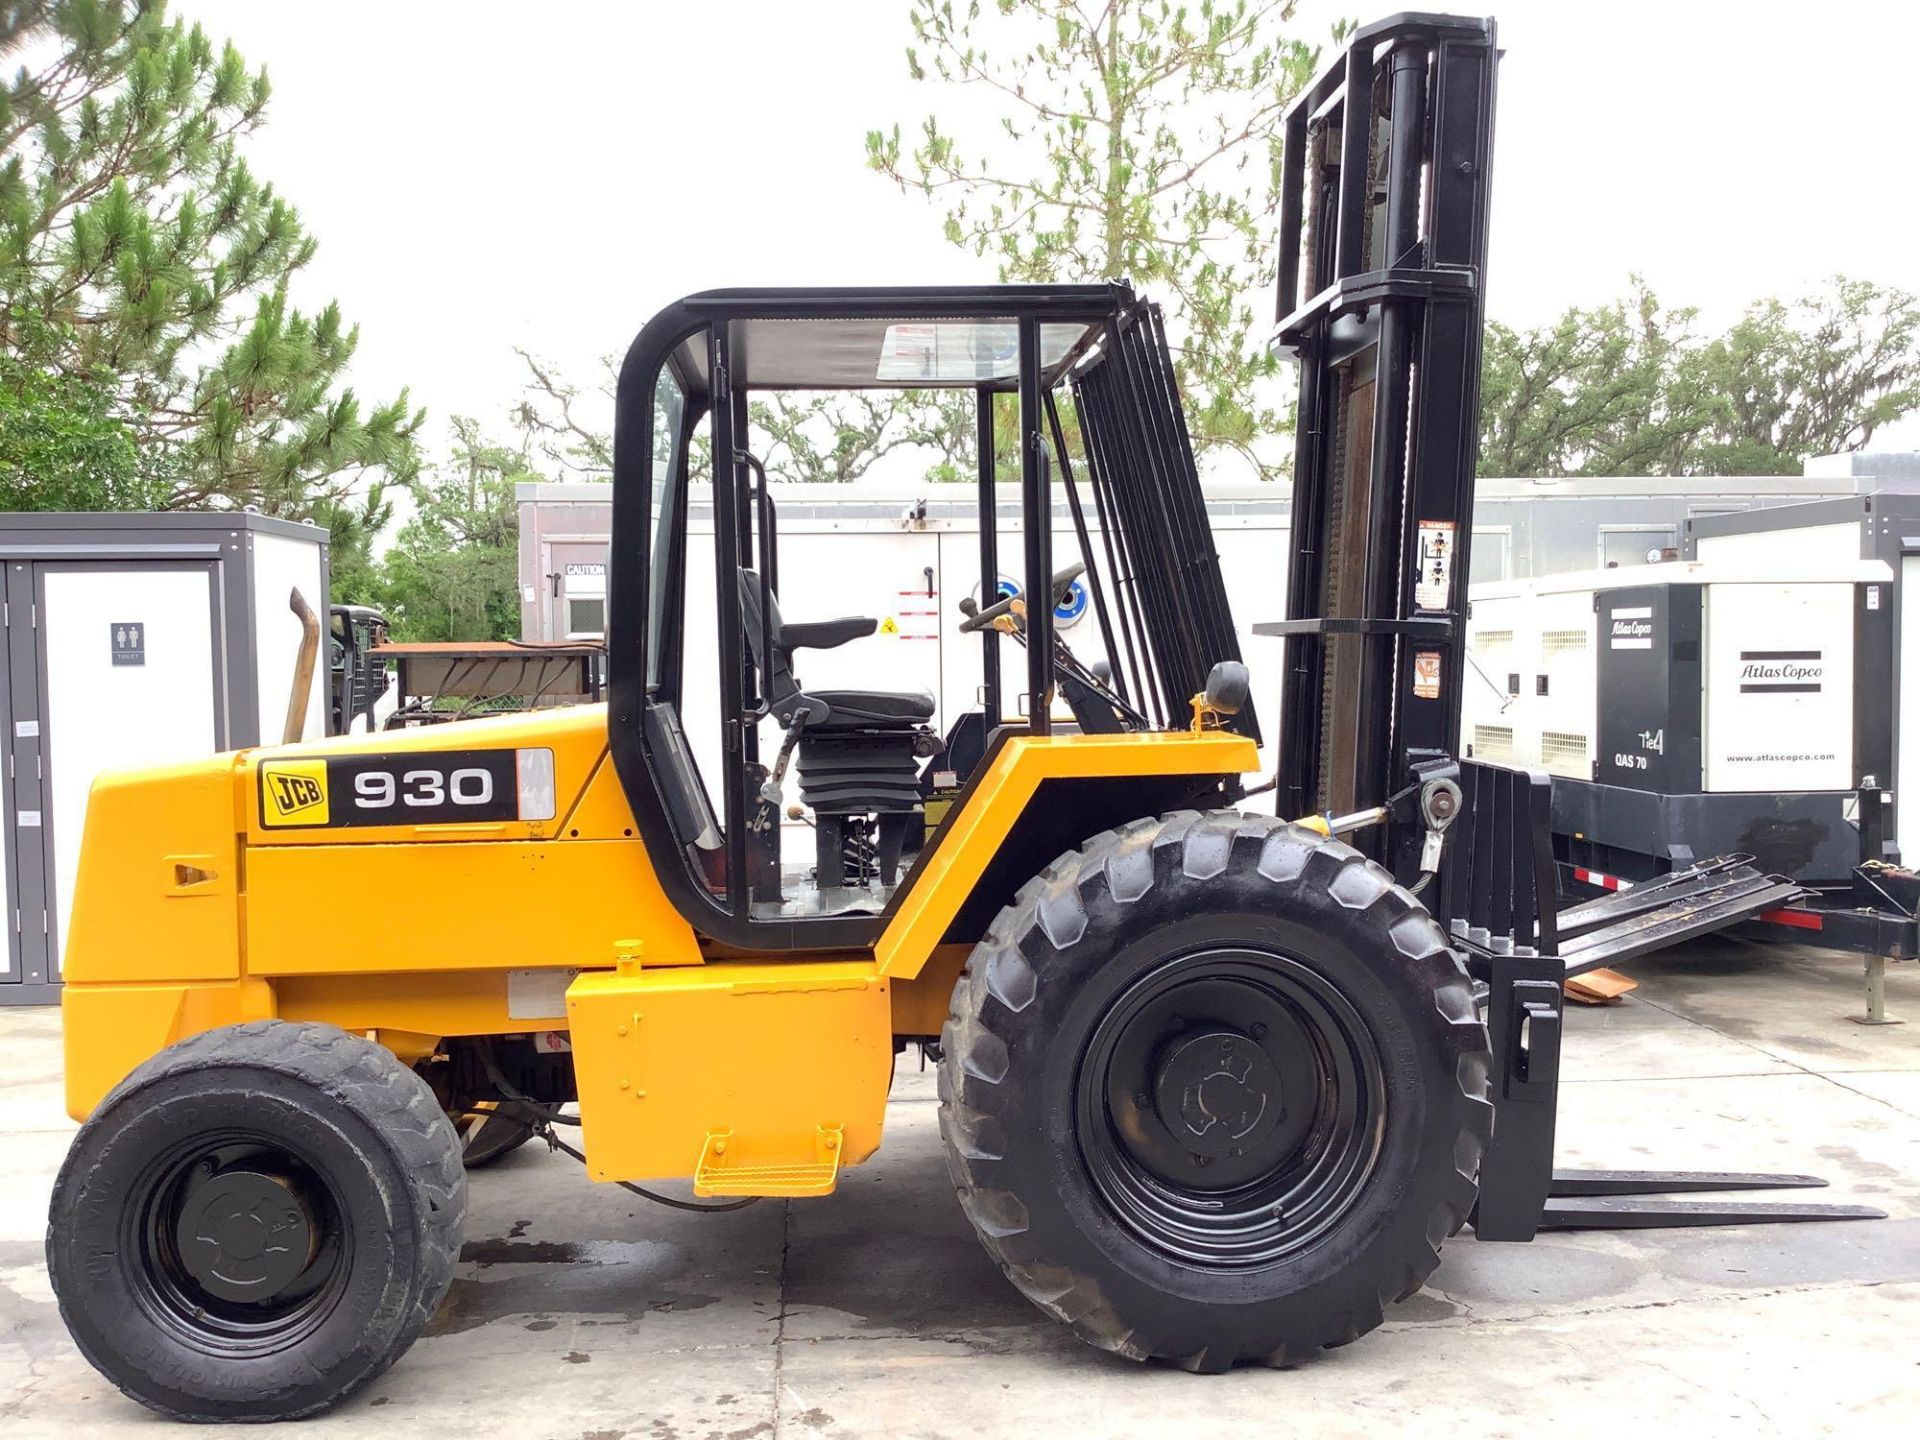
[
  {"x": 1426, "y": 675},
  {"x": 1433, "y": 586},
  {"x": 448, "y": 788}
]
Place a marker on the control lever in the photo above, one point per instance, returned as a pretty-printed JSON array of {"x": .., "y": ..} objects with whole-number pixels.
[
  {"x": 1061, "y": 586},
  {"x": 978, "y": 619}
]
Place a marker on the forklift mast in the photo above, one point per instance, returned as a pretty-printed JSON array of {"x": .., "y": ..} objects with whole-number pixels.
[
  {"x": 1382, "y": 281},
  {"x": 1383, "y": 240}
]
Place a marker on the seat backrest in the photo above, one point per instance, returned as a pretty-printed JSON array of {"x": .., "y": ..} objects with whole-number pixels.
[{"x": 777, "y": 669}]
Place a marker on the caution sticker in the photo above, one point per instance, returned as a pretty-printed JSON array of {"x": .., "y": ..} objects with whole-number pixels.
[
  {"x": 1426, "y": 675},
  {"x": 293, "y": 792},
  {"x": 889, "y": 626}
]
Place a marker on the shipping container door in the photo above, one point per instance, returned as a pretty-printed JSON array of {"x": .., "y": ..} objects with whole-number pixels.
[
  {"x": 577, "y": 587},
  {"x": 129, "y": 666}
]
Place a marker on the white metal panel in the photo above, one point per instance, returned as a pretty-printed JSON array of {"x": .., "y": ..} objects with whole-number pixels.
[
  {"x": 1253, "y": 561},
  {"x": 1787, "y": 569},
  {"x": 1802, "y": 546},
  {"x": 281, "y": 565},
  {"x": 1907, "y": 742},
  {"x": 1515, "y": 633},
  {"x": 1494, "y": 626},
  {"x": 1779, "y": 687},
  {"x": 962, "y": 670},
  {"x": 700, "y": 677},
  {"x": 102, "y": 716},
  {"x": 1561, "y": 723},
  {"x": 881, "y": 574}
]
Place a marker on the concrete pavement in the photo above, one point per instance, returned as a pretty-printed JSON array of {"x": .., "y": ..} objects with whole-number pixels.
[{"x": 581, "y": 1312}]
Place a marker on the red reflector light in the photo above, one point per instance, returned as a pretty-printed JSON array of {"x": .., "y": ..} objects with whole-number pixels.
[{"x": 1793, "y": 919}]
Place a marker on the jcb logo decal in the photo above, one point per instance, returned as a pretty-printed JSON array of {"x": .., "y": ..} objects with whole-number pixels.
[{"x": 293, "y": 792}]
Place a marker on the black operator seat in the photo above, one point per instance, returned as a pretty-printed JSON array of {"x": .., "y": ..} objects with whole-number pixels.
[{"x": 822, "y": 709}]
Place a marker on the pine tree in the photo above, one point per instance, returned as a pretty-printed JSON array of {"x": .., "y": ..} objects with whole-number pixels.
[
  {"x": 140, "y": 253},
  {"x": 1139, "y": 139}
]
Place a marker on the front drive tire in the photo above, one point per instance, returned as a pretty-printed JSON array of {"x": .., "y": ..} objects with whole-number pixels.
[
  {"x": 1214, "y": 1089},
  {"x": 256, "y": 1222}
]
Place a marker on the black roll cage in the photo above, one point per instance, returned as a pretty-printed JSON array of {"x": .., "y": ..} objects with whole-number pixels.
[{"x": 1166, "y": 617}]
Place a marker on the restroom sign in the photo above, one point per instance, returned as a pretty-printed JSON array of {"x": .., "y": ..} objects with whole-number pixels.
[{"x": 129, "y": 642}]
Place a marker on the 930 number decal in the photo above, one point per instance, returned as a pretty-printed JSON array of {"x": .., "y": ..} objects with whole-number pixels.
[
  {"x": 419, "y": 789},
  {"x": 458, "y": 787}
]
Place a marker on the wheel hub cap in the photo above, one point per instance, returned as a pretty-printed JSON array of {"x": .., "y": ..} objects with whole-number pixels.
[
  {"x": 1228, "y": 1106},
  {"x": 245, "y": 1235},
  {"x": 1219, "y": 1093}
]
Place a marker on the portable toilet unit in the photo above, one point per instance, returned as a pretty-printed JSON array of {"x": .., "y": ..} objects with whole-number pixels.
[{"x": 133, "y": 639}]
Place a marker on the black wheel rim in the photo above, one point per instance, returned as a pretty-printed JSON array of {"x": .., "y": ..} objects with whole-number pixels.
[
  {"x": 1229, "y": 1107},
  {"x": 233, "y": 1243}
]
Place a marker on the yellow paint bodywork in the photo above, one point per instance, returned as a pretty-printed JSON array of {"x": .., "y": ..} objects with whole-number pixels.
[
  {"x": 750, "y": 1078},
  {"x": 141, "y": 912},
  {"x": 110, "y": 1029},
  {"x": 762, "y": 1074},
  {"x": 511, "y": 904},
  {"x": 1001, "y": 796}
]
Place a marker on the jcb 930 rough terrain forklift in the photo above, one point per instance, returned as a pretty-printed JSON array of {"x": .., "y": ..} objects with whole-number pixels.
[{"x": 1214, "y": 1086}]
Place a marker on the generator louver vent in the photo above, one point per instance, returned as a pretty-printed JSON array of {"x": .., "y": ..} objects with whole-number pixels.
[
  {"x": 1562, "y": 642},
  {"x": 1564, "y": 753},
  {"x": 1493, "y": 742}
]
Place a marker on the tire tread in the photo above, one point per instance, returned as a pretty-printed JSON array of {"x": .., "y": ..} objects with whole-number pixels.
[
  {"x": 374, "y": 1085},
  {"x": 1208, "y": 843}
]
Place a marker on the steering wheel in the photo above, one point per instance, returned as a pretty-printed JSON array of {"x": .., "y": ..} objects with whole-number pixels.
[{"x": 978, "y": 619}]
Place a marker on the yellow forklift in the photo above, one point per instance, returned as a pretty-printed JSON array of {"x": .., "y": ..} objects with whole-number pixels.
[{"x": 1215, "y": 1085}]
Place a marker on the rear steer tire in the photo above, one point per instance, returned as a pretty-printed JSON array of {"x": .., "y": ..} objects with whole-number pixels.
[
  {"x": 1214, "y": 1089},
  {"x": 256, "y": 1222}
]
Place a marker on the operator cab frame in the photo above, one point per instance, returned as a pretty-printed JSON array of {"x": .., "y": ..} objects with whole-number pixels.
[{"x": 1085, "y": 361}]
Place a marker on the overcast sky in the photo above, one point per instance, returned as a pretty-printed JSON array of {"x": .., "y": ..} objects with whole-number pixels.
[{"x": 485, "y": 175}]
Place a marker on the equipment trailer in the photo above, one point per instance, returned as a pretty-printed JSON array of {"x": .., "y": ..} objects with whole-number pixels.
[{"x": 1214, "y": 1086}]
